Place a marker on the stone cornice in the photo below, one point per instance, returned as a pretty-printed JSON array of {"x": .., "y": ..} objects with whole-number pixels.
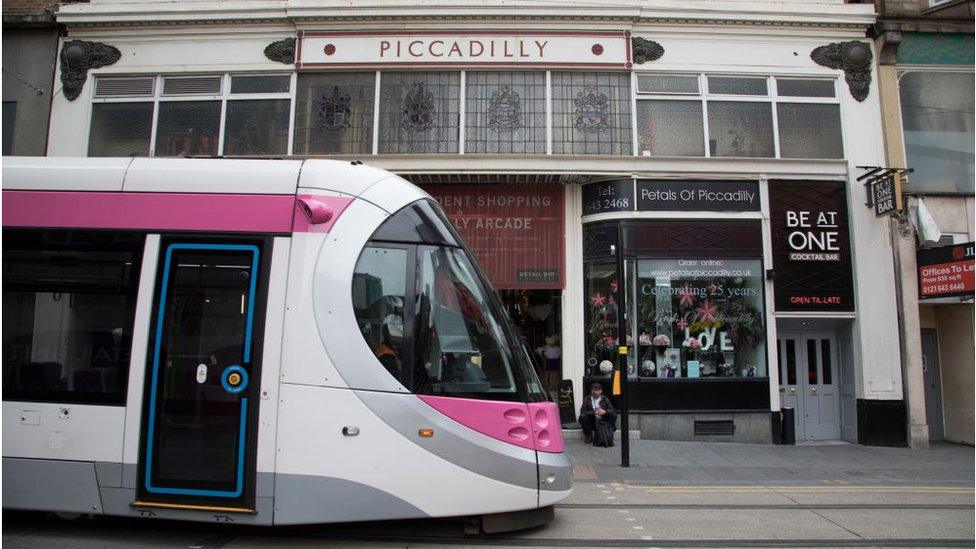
[{"x": 308, "y": 12}]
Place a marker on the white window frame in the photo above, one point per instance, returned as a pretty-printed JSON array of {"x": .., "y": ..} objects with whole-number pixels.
[
  {"x": 704, "y": 95},
  {"x": 223, "y": 97}
]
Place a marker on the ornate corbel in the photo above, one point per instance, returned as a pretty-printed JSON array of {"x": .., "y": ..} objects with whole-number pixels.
[
  {"x": 646, "y": 50},
  {"x": 282, "y": 51},
  {"x": 854, "y": 58},
  {"x": 77, "y": 57}
]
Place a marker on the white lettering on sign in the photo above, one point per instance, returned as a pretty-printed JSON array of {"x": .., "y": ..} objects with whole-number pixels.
[
  {"x": 815, "y": 235},
  {"x": 568, "y": 48}
]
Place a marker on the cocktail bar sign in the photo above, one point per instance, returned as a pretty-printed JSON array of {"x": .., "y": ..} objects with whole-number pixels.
[{"x": 597, "y": 49}]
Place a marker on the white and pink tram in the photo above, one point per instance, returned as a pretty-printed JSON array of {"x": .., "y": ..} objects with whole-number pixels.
[{"x": 259, "y": 341}]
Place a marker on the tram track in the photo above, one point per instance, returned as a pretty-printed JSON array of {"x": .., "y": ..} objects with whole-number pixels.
[{"x": 768, "y": 506}]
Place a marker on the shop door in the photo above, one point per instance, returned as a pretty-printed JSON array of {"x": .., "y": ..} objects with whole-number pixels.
[
  {"x": 932, "y": 376},
  {"x": 200, "y": 370},
  {"x": 809, "y": 384}
]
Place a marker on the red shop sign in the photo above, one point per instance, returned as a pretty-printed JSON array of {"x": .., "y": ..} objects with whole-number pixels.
[
  {"x": 516, "y": 232},
  {"x": 946, "y": 271}
]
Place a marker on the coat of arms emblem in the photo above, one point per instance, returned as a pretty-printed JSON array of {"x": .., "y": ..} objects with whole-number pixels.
[
  {"x": 334, "y": 110},
  {"x": 505, "y": 110},
  {"x": 419, "y": 111},
  {"x": 592, "y": 110}
]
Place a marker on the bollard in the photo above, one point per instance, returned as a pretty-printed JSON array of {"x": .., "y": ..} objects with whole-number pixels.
[{"x": 789, "y": 426}]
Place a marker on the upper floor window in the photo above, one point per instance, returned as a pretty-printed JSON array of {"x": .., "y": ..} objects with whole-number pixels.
[
  {"x": 69, "y": 302},
  {"x": 231, "y": 115},
  {"x": 937, "y": 120},
  {"x": 737, "y": 116}
]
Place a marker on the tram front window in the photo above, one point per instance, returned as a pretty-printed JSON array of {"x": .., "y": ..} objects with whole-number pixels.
[{"x": 461, "y": 345}]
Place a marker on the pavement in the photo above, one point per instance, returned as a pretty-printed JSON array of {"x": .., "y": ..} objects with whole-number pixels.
[{"x": 724, "y": 463}]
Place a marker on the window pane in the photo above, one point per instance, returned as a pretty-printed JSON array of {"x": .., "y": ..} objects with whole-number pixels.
[
  {"x": 736, "y": 86},
  {"x": 791, "y": 362},
  {"x": 334, "y": 113},
  {"x": 809, "y": 131},
  {"x": 740, "y": 129},
  {"x": 703, "y": 317},
  {"x": 9, "y": 116},
  {"x": 825, "y": 357},
  {"x": 804, "y": 88},
  {"x": 120, "y": 129},
  {"x": 591, "y": 113},
  {"x": 378, "y": 290},
  {"x": 506, "y": 112},
  {"x": 256, "y": 127},
  {"x": 937, "y": 117},
  {"x": 812, "y": 377},
  {"x": 670, "y": 128},
  {"x": 666, "y": 83},
  {"x": 278, "y": 83},
  {"x": 419, "y": 112},
  {"x": 68, "y": 306},
  {"x": 188, "y": 128},
  {"x": 461, "y": 342},
  {"x": 601, "y": 317}
]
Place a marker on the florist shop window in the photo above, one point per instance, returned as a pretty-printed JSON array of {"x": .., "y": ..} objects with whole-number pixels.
[{"x": 687, "y": 318}]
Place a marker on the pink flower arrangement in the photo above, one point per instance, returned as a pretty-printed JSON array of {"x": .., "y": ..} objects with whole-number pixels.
[
  {"x": 661, "y": 340},
  {"x": 692, "y": 343}
]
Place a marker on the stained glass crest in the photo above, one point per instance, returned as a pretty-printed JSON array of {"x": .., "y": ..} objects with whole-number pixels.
[
  {"x": 592, "y": 110},
  {"x": 334, "y": 110},
  {"x": 505, "y": 110}
]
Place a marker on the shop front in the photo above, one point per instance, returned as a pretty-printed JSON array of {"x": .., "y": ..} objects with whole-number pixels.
[{"x": 694, "y": 294}]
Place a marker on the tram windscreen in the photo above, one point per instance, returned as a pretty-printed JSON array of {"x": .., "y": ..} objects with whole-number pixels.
[{"x": 457, "y": 339}]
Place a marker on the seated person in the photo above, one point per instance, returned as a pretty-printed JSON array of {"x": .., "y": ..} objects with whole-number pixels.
[
  {"x": 387, "y": 355},
  {"x": 596, "y": 407}
]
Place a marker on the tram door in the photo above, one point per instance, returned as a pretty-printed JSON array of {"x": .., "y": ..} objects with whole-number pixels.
[{"x": 197, "y": 442}]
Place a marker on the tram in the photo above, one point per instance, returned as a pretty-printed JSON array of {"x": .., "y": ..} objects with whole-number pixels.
[{"x": 259, "y": 341}]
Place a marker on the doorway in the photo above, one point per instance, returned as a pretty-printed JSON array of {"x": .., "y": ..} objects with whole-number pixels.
[
  {"x": 537, "y": 315},
  {"x": 932, "y": 376},
  {"x": 809, "y": 383}
]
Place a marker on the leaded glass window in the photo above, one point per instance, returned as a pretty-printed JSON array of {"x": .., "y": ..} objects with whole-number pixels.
[
  {"x": 505, "y": 112},
  {"x": 256, "y": 127},
  {"x": 334, "y": 113},
  {"x": 419, "y": 112},
  {"x": 591, "y": 113},
  {"x": 809, "y": 130}
]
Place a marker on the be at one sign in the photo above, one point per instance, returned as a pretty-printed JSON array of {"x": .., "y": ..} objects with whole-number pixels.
[{"x": 884, "y": 196}]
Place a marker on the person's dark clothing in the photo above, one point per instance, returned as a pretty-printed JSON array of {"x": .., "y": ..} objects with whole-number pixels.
[{"x": 588, "y": 417}]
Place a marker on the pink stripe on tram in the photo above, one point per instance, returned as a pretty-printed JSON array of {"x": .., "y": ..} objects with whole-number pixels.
[
  {"x": 270, "y": 213},
  {"x": 331, "y": 206},
  {"x": 535, "y": 426}
]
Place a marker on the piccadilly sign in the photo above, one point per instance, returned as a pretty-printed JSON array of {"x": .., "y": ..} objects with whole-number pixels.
[{"x": 606, "y": 49}]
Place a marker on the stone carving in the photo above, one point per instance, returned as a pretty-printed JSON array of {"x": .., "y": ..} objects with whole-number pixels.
[
  {"x": 334, "y": 110},
  {"x": 592, "y": 110},
  {"x": 646, "y": 50},
  {"x": 419, "y": 111},
  {"x": 77, "y": 57},
  {"x": 282, "y": 51},
  {"x": 505, "y": 110},
  {"x": 854, "y": 58}
]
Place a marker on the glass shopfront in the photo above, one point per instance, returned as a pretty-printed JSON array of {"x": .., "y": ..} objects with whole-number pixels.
[{"x": 693, "y": 293}]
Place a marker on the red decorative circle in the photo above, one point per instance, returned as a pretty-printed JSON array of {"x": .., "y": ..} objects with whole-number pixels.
[
  {"x": 597, "y": 49},
  {"x": 329, "y": 49},
  {"x": 958, "y": 253}
]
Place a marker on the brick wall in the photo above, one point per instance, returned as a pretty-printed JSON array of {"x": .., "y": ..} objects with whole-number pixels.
[{"x": 11, "y": 7}]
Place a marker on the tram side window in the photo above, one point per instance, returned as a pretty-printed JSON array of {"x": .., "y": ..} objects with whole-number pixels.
[
  {"x": 68, "y": 307},
  {"x": 378, "y": 291}
]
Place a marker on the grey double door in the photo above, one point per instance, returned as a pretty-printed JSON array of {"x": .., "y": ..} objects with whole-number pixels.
[{"x": 809, "y": 384}]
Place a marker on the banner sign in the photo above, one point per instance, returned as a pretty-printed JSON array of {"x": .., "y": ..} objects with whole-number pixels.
[
  {"x": 593, "y": 49},
  {"x": 516, "y": 232},
  {"x": 811, "y": 246},
  {"x": 712, "y": 196},
  {"x": 946, "y": 271}
]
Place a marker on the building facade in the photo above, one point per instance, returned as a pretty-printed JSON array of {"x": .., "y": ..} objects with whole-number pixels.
[
  {"x": 30, "y": 47},
  {"x": 926, "y": 85},
  {"x": 694, "y": 163}
]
